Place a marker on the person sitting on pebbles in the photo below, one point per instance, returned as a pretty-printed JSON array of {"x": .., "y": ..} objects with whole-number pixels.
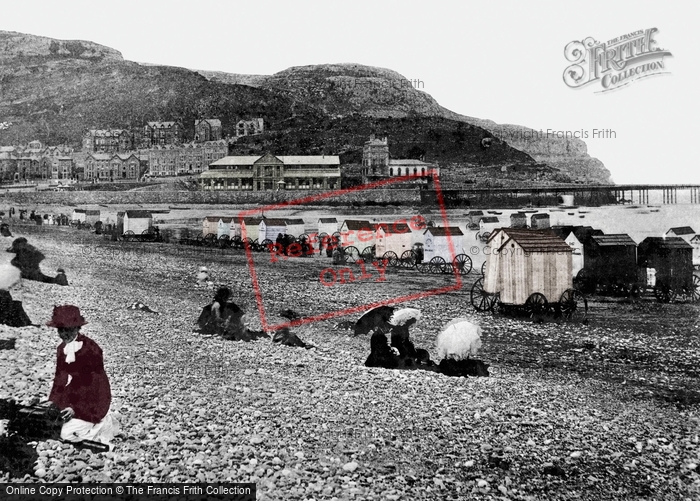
[
  {"x": 27, "y": 259},
  {"x": 225, "y": 318},
  {"x": 81, "y": 389},
  {"x": 11, "y": 311}
]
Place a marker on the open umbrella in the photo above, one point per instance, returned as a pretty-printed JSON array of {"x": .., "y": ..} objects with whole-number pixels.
[
  {"x": 400, "y": 317},
  {"x": 459, "y": 341},
  {"x": 376, "y": 318}
]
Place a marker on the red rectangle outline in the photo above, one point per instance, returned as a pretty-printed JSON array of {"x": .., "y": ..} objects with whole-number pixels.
[{"x": 356, "y": 309}]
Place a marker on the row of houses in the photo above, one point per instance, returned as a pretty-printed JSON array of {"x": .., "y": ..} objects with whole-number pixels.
[
  {"x": 36, "y": 161},
  {"x": 162, "y": 133}
]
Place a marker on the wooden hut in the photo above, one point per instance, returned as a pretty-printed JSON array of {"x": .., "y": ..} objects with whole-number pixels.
[
  {"x": 327, "y": 225},
  {"x": 671, "y": 260},
  {"x": 567, "y": 233},
  {"x": 250, "y": 228},
  {"x": 92, "y": 216},
  {"x": 219, "y": 226},
  {"x": 539, "y": 221},
  {"x": 518, "y": 220},
  {"x": 436, "y": 243},
  {"x": 488, "y": 223},
  {"x": 610, "y": 263},
  {"x": 357, "y": 233},
  {"x": 695, "y": 242},
  {"x": 473, "y": 218},
  {"x": 270, "y": 229},
  {"x": 79, "y": 215},
  {"x": 685, "y": 232},
  {"x": 393, "y": 237},
  {"x": 137, "y": 221},
  {"x": 295, "y": 227},
  {"x": 521, "y": 262}
]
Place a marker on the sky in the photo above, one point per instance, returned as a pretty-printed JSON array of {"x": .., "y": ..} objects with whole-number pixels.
[{"x": 498, "y": 60}]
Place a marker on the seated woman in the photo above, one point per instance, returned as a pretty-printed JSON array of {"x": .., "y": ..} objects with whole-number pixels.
[
  {"x": 27, "y": 259},
  {"x": 80, "y": 387},
  {"x": 224, "y": 318},
  {"x": 11, "y": 312},
  {"x": 401, "y": 341},
  {"x": 383, "y": 355}
]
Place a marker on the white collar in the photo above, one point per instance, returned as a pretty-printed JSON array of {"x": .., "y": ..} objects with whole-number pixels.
[{"x": 71, "y": 348}]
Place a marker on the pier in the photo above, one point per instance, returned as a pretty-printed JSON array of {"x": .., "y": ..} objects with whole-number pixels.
[{"x": 583, "y": 194}]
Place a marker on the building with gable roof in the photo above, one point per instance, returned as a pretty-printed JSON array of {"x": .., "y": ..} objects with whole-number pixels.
[
  {"x": 189, "y": 158},
  {"x": 250, "y": 127},
  {"x": 108, "y": 141},
  {"x": 160, "y": 134},
  {"x": 208, "y": 129},
  {"x": 106, "y": 167},
  {"x": 270, "y": 172},
  {"x": 377, "y": 163}
]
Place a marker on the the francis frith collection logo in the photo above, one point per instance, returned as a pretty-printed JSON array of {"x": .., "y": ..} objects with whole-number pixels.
[{"x": 615, "y": 63}]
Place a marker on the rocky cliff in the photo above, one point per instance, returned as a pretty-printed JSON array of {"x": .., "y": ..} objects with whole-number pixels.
[{"x": 343, "y": 89}]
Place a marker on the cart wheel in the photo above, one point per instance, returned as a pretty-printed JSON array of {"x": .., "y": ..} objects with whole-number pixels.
[
  {"x": 695, "y": 293},
  {"x": 267, "y": 242},
  {"x": 129, "y": 236},
  {"x": 463, "y": 264},
  {"x": 392, "y": 258},
  {"x": 367, "y": 254},
  {"x": 483, "y": 268},
  {"x": 351, "y": 254},
  {"x": 478, "y": 235},
  {"x": 663, "y": 293},
  {"x": 485, "y": 236},
  {"x": 536, "y": 305},
  {"x": 574, "y": 305},
  {"x": 482, "y": 300},
  {"x": 408, "y": 259},
  {"x": 438, "y": 265},
  {"x": 584, "y": 282},
  {"x": 224, "y": 241}
]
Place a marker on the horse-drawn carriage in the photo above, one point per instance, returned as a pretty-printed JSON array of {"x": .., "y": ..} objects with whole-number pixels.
[{"x": 528, "y": 272}]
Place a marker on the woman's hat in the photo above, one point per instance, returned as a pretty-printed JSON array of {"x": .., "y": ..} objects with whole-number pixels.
[
  {"x": 9, "y": 276},
  {"x": 67, "y": 316}
]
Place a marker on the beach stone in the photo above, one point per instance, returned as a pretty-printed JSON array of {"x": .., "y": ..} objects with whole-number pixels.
[{"x": 351, "y": 466}]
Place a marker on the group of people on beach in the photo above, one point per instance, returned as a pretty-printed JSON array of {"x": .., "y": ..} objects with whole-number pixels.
[{"x": 80, "y": 390}]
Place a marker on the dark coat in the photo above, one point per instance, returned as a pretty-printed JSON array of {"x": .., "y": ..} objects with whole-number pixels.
[
  {"x": 27, "y": 259},
  {"x": 88, "y": 392},
  {"x": 229, "y": 323},
  {"x": 11, "y": 312}
]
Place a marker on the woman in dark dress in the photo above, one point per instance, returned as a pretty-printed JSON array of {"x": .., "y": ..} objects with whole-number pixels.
[
  {"x": 222, "y": 317},
  {"x": 81, "y": 389},
  {"x": 11, "y": 312}
]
